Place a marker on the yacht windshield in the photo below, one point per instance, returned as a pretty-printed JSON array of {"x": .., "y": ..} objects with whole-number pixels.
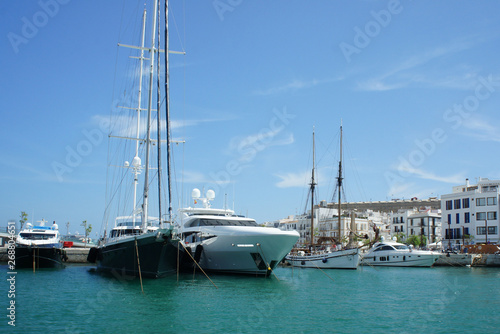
[
  {"x": 401, "y": 247},
  {"x": 221, "y": 222},
  {"x": 131, "y": 231},
  {"x": 37, "y": 236}
]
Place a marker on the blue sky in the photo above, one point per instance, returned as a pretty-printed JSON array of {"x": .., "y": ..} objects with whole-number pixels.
[{"x": 415, "y": 83}]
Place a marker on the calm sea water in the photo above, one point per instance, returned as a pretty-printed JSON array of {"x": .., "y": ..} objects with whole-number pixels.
[{"x": 376, "y": 300}]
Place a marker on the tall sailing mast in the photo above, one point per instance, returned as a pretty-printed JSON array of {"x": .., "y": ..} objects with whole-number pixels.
[
  {"x": 167, "y": 113},
  {"x": 339, "y": 187},
  {"x": 313, "y": 185},
  {"x": 136, "y": 162},
  {"x": 153, "y": 50}
]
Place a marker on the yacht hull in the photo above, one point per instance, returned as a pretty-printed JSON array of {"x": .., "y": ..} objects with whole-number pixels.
[
  {"x": 342, "y": 259},
  {"x": 253, "y": 251},
  {"x": 155, "y": 253},
  {"x": 400, "y": 259},
  {"x": 39, "y": 257}
]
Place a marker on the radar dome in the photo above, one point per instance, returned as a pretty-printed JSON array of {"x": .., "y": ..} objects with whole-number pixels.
[
  {"x": 136, "y": 162},
  {"x": 195, "y": 194},
  {"x": 210, "y": 195}
]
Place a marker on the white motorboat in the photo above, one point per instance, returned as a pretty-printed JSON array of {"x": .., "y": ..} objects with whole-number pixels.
[
  {"x": 39, "y": 247},
  {"x": 220, "y": 241},
  {"x": 390, "y": 253}
]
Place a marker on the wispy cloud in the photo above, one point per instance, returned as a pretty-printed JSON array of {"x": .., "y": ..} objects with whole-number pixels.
[
  {"x": 401, "y": 190},
  {"x": 126, "y": 126},
  {"x": 294, "y": 85},
  {"x": 292, "y": 180},
  {"x": 410, "y": 190},
  {"x": 301, "y": 179},
  {"x": 199, "y": 179},
  {"x": 194, "y": 177},
  {"x": 401, "y": 76},
  {"x": 482, "y": 130},
  {"x": 247, "y": 147},
  {"x": 425, "y": 175},
  {"x": 26, "y": 172},
  {"x": 376, "y": 85}
]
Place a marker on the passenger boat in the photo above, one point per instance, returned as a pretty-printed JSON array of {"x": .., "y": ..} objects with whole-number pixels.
[
  {"x": 222, "y": 242},
  {"x": 39, "y": 247},
  {"x": 390, "y": 253}
]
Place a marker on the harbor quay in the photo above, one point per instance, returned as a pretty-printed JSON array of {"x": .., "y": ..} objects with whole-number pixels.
[{"x": 73, "y": 255}]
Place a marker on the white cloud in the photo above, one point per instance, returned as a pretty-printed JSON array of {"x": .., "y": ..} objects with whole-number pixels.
[
  {"x": 422, "y": 174},
  {"x": 302, "y": 179},
  {"x": 400, "y": 190},
  {"x": 378, "y": 86},
  {"x": 248, "y": 147},
  {"x": 290, "y": 180},
  {"x": 482, "y": 130},
  {"x": 295, "y": 85},
  {"x": 126, "y": 126},
  {"x": 402, "y": 76}
]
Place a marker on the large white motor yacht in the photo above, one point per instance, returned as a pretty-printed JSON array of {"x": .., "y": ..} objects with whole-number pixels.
[{"x": 220, "y": 241}]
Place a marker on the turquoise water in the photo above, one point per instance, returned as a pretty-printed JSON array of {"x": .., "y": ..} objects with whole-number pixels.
[{"x": 376, "y": 300}]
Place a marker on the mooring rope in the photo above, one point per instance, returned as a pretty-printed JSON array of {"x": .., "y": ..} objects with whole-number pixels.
[
  {"x": 197, "y": 264},
  {"x": 267, "y": 263},
  {"x": 138, "y": 264}
]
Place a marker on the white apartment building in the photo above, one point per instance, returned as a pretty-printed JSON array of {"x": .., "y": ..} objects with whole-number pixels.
[
  {"x": 418, "y": 221},
  {"x": 326, "y": 224},
  {"x": 470, "y": 213}
]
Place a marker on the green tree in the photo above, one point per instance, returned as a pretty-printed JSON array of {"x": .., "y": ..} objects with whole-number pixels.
[
  {"x": 88, "y": 229},
  {"x": 417, "y": 240},
  {"x": 24, "y": 218},
  {"x": 400, "y": 237}
]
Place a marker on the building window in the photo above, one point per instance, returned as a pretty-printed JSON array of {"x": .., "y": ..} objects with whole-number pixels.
[
  {"x": 480, "y": 201},
  {"x": 480, "y": 215},
  {"x": 492, "y": 215},
  {"x": 448, "y": 205},
  {"x": 467, "y": 217},
  {"x": 489, "y": 188},
  {"x": 457, "y": 204},
  {"x": 492, "y": 201},
  {"x": 449, "y": 219},
  {"x": 466, "y": 231},
  {"x": 458, "y": 218},
  {"x": 481, "y": 230},
  {"x": 465, "y": 203}
]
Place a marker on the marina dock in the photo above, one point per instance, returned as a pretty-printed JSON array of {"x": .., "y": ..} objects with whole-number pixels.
[{"x": 74, "y": 254}]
